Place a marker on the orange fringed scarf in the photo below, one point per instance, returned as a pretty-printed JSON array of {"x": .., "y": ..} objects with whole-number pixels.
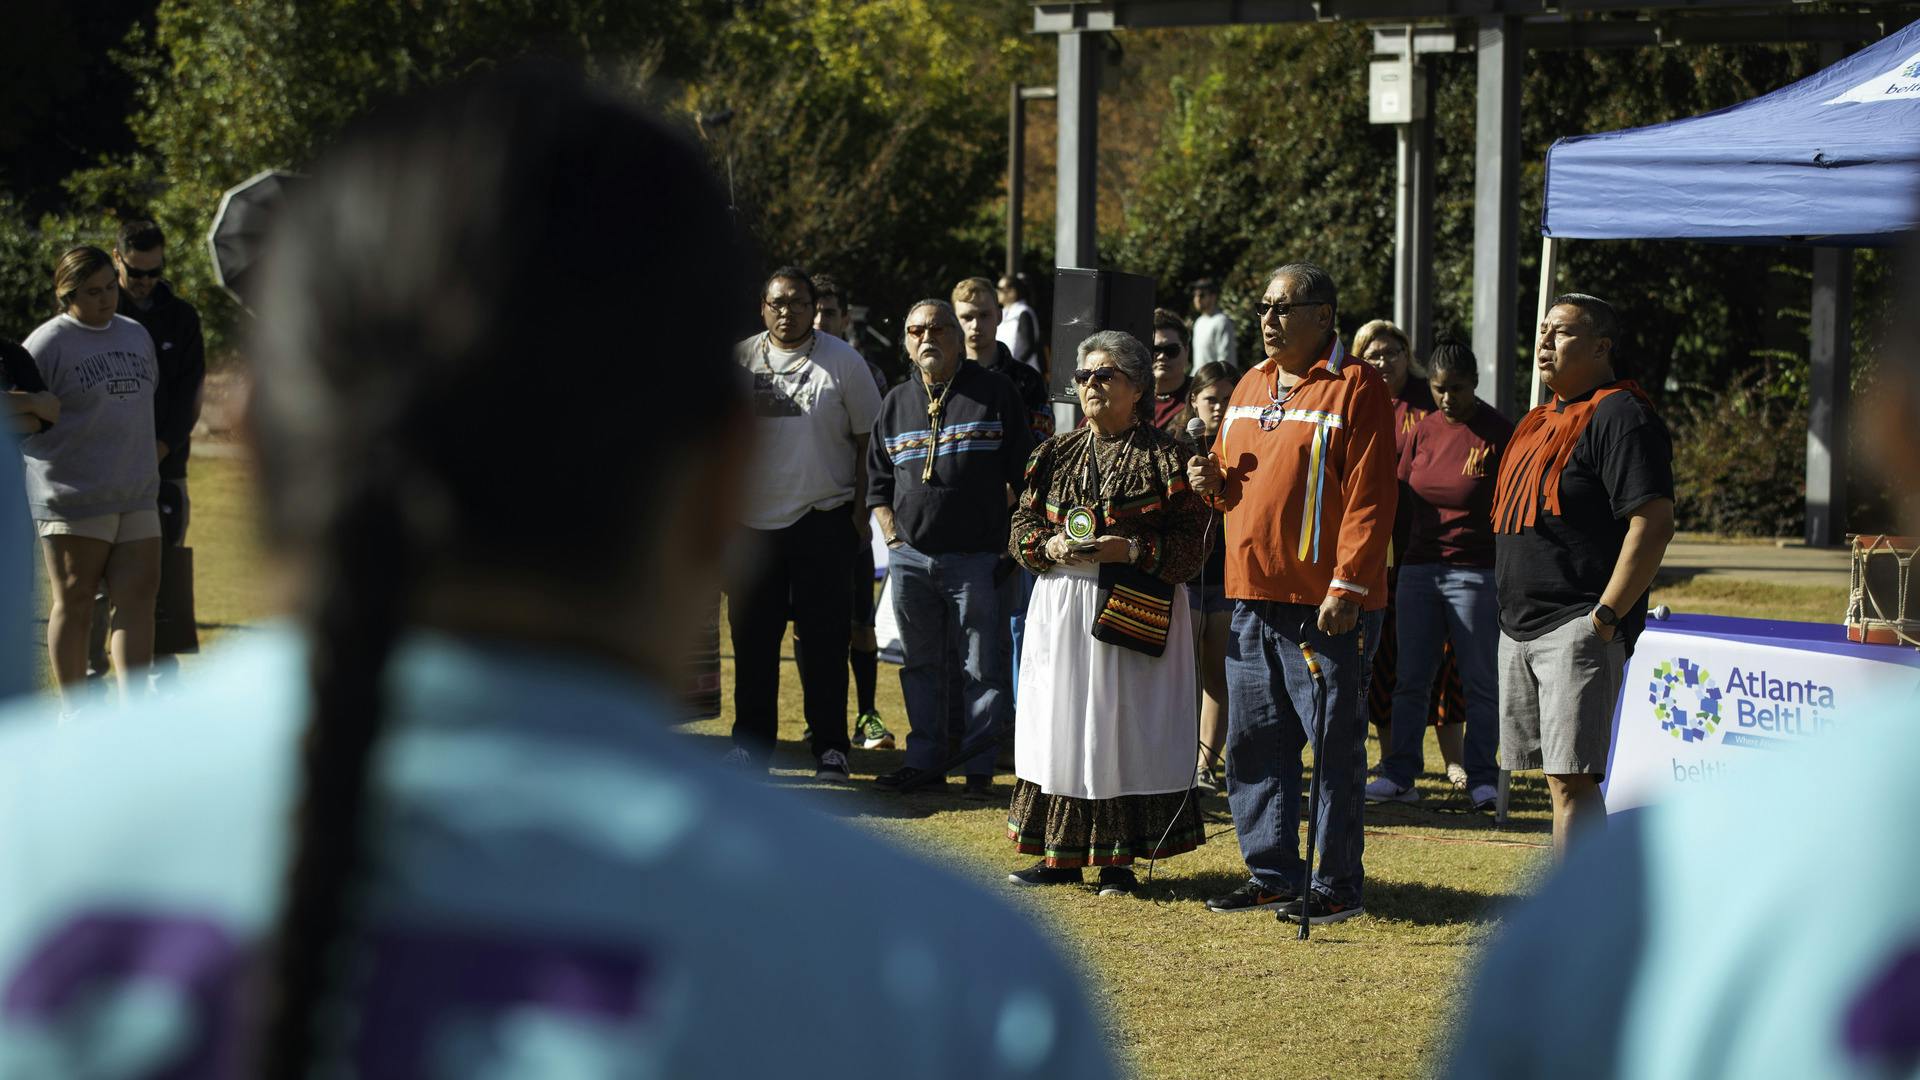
[{"x": 1538, "y": 451}]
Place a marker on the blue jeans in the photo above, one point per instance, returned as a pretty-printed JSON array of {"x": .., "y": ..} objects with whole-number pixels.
[
  {"x": 1015, "y": 592},
  {"x": 938, "y": 600},
  {"x": 1434, "y": 602},
  {"x": 1270, "y": 699}
]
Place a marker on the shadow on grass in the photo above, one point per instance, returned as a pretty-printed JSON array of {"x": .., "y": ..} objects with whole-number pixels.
[
  {"x": 1416, "y": 903},
  {"x": 1456, "y": 814},
  {"x": 859, "y": 797}
]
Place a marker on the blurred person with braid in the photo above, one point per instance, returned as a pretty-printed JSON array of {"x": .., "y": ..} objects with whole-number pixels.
[{"x": 436, "y": 823}]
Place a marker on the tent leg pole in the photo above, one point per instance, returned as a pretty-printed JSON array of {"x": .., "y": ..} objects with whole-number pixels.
[
  {"x": 1548, "y": 252},
  {"x": 1830, "y": 362}
]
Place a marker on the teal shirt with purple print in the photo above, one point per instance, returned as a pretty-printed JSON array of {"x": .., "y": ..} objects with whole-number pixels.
[
  {"x": 561, "y": 887},
  {"x": 1766, "y": 925}
]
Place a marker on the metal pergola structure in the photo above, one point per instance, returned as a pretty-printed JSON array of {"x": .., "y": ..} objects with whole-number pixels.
[{"x": 1498, "y": 33}]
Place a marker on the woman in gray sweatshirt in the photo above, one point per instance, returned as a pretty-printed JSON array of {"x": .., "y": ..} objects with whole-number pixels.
[{"x": 93, "y": 477}]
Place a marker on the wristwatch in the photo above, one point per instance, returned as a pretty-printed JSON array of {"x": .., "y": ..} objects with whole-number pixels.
[
  {"x": 1606, "y": 615},
  {"x": 1133, "y": 549}
]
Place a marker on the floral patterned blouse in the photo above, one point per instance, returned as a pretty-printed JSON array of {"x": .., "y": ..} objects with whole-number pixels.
[{"x": 1137, "y": 489}]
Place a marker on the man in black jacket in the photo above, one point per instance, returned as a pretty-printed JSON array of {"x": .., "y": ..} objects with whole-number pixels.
[
  {"x": 950, "y": 446},
  {"x": 978, "y": 307},
  {"x": 140, "y": 256}
]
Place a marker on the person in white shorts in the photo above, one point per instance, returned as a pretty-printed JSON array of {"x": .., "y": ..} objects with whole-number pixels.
[{"x": 93, "y": 478}]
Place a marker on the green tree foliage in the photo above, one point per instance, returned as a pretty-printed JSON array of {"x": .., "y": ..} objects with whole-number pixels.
[
  {"x": 865, "y": 136},
  {"x": 1267, "y": 158},
  {"x": 227, "y": 88}
]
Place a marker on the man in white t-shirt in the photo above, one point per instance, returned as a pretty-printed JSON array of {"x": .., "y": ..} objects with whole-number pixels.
[
  {"x": 814, "y": 404},
  {"x": 1212, "y": 329},
  {"x": 1019, "y": 328}
]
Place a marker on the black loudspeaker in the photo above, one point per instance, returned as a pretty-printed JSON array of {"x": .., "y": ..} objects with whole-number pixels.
[{"x": 1086, "y": 302}]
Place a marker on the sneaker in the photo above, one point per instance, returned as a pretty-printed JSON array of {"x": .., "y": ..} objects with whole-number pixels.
[
  {"x": 1484, "y": 797},
  {"x": 1042, "y": 874},
  {"x": 1251, "y": 896},
  {"x": 979, "y": 788},
  {"x": 1457, "y": 776},
  {"x": 1117, "y": 881},
  {"x": 1319, "y": 911},
  {"x": 1387, "y": 790},
  {"x": 833, "y": 767},
  {"x": 908, "y": 777},
  {"x": 1203, "y": 779},
  {"x": 870, "y": 734}
]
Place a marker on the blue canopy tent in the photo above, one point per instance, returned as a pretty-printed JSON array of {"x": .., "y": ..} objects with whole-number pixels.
[{"x": 1829, "y": 161}]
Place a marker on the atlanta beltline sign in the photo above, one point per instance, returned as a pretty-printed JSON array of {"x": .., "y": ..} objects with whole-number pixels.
[{"x": 1703, "y": 695}]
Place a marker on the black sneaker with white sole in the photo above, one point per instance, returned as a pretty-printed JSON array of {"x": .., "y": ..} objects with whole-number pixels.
[
  {"x": 1319, "y": 911},
  {"x": 1042, "y": 874},
  {"x": 1250, "y": 896},
  {"x": 1117, "y": 881},
  {"x": 832, "y": 768}
]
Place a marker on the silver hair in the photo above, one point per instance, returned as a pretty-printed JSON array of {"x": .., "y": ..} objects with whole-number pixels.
[
  {"x": 945, "y": 309},
  {"x": 1129, "y": 355}
]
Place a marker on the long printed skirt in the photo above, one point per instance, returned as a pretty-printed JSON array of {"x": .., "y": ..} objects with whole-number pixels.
[{"x": 1068, "y": 832}]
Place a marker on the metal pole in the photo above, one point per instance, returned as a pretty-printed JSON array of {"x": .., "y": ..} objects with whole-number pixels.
[
  {"x": 1495, "y": 186},
  {"x": 1016, "y": 174},
  {"x": 1549, "y": 257},
  {"x": 1829, "y": 364},
  {"x": 1830, "y": 360},
  {"x": 1403, "y": 200},
  {"x": 1419, "y": 322},
  {"x": 1078, "y": 85}
]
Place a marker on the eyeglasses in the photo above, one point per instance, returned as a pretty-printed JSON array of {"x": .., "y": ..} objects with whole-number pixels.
[
  {"x": 1281, "y": 311},
  {"x": 787, "y": 303},
  {"x": 925, "y": 330},
  {"x": 1101, "y": 375},
  {"x": 134, "y": 274},
  {"x": 1165, "y": 351}
]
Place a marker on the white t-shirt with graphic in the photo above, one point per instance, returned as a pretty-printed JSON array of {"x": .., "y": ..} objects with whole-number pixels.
[{"x": 810, "y": 407}]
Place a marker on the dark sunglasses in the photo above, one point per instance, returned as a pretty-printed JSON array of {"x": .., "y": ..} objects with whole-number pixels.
[
  {"x": 1101, "y": 375},
  {"x": 1281, "y": 311},
  {"x": 136, "y": 275},
  {"x": 1166, "y": 350}
]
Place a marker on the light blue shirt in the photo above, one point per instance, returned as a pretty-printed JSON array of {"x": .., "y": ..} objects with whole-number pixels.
[
  {"x": 1768, "y": 928},
  {"x": 561, "y": 887}
]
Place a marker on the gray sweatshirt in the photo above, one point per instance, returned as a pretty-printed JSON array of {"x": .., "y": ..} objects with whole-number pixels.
[{"x": 100, "y": 458}]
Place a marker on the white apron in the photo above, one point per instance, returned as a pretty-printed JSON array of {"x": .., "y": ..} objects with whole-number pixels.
[{"x": 1095, "y": 720}]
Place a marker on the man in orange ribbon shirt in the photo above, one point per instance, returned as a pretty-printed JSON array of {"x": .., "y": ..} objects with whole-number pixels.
[{"x": 1304, "y": 470}]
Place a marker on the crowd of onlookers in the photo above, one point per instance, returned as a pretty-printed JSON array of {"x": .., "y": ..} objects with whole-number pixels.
[
  {"x": 104, "y": 397},
  {"x": 1130, "y": 599}
]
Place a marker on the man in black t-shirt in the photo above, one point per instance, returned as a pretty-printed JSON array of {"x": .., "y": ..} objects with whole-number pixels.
[{"x": 1583, "y": 511}]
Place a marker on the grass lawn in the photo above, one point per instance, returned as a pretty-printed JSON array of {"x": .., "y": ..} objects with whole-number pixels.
[{"x": 1187, "y": 993}]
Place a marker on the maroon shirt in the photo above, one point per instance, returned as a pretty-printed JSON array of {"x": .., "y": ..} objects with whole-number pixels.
[
  {"x": 1449, "y": 471},
  {"x": 1410, "y": 406}
]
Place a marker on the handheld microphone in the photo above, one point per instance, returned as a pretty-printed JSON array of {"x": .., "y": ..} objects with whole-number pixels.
[{"x": 1197, "y": 431}]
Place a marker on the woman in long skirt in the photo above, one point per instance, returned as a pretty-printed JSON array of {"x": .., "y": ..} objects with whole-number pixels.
[{"x": 1106, "y": 732}]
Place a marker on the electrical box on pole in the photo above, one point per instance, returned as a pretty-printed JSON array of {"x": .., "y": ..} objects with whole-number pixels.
[{"x": 1394, "y": 94}]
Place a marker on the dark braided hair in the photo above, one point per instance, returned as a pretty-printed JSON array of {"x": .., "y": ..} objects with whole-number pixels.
[
  {"x": 406, "y": 312},
  {"x": 1453, "y": 356}
]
